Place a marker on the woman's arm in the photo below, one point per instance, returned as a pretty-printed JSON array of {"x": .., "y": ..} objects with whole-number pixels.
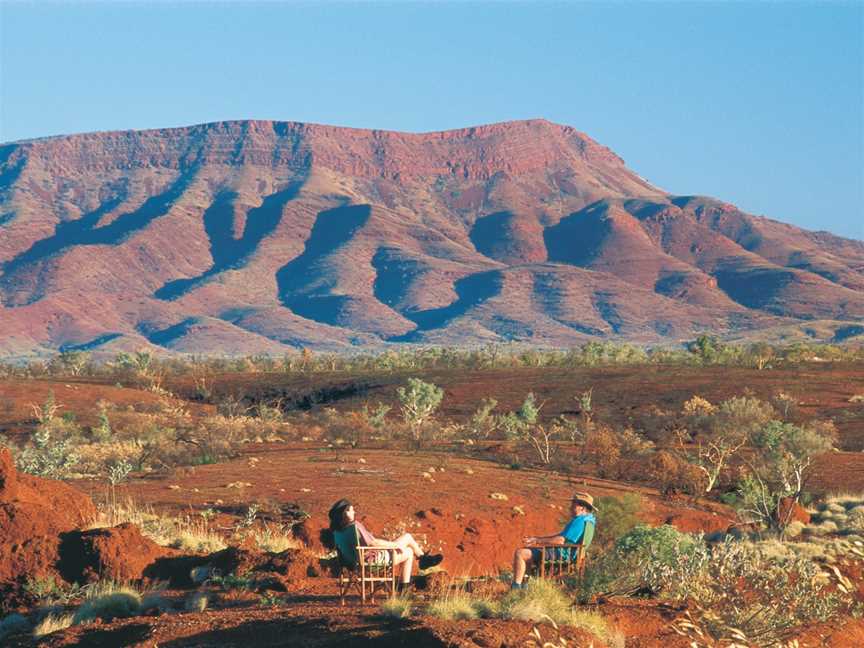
[
  {"x": 368, "y": 539},
  {"x": 383, "y": 544}
]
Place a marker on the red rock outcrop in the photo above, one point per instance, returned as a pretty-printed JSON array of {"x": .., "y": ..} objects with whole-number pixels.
[
  {"x": 118, "y": 554},
  {"x": 33, "y": 513}
]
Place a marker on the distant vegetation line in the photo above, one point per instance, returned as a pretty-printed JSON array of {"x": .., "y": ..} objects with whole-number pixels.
[{"x": 704, "y": 350}]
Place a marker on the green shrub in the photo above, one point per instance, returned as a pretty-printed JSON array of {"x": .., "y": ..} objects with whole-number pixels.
[
  {"x": 647, "y": 560},
  {"x": 13, "y": 624},
  {"x": 50, "y": 452},
  {"x": 616, "y": 516}
]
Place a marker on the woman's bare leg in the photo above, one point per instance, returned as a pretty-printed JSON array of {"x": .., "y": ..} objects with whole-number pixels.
[
  {"x": 407, "y": 541},
  {"x": 404, "y": 558}
]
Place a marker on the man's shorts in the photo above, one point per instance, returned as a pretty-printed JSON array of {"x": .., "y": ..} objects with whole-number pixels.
[{"x": 551, "y": 554}]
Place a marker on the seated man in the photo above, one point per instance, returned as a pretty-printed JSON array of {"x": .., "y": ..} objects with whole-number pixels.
[{"x": 581, "y": 512}]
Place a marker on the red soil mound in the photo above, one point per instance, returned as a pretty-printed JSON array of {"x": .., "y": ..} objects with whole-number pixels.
[
  {"x": 119, "y": 554},
  {"x": 270, "y": 570},
  {"x": 33, "y": 513}
]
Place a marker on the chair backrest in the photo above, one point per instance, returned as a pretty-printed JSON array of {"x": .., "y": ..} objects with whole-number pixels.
[
  {"x": 587, "y": 535},
  {"x": 346, "y": 541}
]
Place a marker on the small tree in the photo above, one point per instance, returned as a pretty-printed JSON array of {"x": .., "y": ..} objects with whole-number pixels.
[
  {"x": 47, "y": 412},
  {"x": 102, "y": 430},
  {"x": 483, "y": 422},
  {"x": 706, "y": 348},
  {"x": 74, "y": 362},
  {"x": 778, "y": 470},
  {"x": 46, "y": 456},
  {"x": 419, "y": 400},
  {"x": 720, "y": 432},
  {"x": 515, "y": 424},
  {"x": 529, "y": 411},
  {"x": 540, "y": 437}
]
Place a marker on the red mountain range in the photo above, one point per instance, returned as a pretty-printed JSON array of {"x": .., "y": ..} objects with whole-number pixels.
[{"x": 258, "y": 236}]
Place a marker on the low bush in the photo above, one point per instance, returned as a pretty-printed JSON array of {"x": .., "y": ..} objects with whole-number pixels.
[
  {"x": 13, "y": 624},
  {"x": 617, "y": 516},
  {"x": 743, "y": 596}
]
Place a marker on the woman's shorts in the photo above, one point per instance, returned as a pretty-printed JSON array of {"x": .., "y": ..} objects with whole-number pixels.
[{"x": 377, "y": 557}]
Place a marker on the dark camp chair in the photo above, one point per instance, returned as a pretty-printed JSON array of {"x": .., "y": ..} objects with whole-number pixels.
[
  {"x": 562, "y": 560},
  {"x": 364, "y": 565}
]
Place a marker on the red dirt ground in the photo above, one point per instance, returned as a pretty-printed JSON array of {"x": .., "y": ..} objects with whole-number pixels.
[{"x": 451, "y": 509}]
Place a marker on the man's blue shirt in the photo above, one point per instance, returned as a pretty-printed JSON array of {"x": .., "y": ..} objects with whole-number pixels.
[{"x": 576, "y": 528}]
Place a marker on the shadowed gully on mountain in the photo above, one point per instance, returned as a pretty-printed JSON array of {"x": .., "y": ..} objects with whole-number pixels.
[
  {"x": 229, "y": 252},
  {"x": 305, "y": 282}
]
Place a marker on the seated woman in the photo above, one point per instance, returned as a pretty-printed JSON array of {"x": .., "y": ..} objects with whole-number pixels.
[
  {"x": 581, "y": 514},
  {"x": 343, "y": 517}
]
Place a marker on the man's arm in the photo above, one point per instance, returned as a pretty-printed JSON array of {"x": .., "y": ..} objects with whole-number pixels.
[{"x": 550, "y": 539}]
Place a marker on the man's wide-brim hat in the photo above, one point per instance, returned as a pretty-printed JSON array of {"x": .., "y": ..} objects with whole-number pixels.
[{"x": 584, "y": 498}]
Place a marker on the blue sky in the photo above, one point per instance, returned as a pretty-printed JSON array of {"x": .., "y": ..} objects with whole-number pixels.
[{"x": 760, "y": 104}]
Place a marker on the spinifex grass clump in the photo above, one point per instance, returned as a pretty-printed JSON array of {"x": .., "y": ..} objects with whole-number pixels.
[
  {"x": 396, "y": 607},
  {"x": 52, "y": 623},
  {"x": 541, "y": 601},
  {"x": 109, "y": 601},
  {"x": 454, "y": 607}
]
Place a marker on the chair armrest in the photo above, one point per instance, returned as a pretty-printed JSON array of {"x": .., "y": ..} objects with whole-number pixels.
[{"x": 362, "y": 549}]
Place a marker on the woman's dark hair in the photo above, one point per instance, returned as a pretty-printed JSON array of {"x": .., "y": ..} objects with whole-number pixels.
[
  {"x": 337, "y": 522},
  {"x": 337, "y": 514}
]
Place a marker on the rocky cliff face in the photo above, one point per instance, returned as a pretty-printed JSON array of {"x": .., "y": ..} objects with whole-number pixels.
[{"x": 242, "y": 237}]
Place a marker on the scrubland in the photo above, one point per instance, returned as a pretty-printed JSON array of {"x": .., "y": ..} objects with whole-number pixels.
[{"x": 729, "y": 484}]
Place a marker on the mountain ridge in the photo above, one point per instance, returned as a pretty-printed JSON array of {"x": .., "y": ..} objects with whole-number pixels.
[{"x": 260, "y": 236}]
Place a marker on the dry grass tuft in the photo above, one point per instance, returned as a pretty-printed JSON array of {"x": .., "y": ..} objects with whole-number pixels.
[
  {"x": 196, "y": 602},
  {"x": 397, "y": 607},
  {"x": 52, "y": 623},
  {"x": 454, "y": 607},
  {"x": 187, "y": 534},
  {"x": 275, "y": 541}
]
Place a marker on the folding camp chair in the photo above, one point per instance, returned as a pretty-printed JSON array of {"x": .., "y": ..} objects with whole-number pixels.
[
  {"x": 366, "y": 567},
  {"x": 562, "y": 560}
]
